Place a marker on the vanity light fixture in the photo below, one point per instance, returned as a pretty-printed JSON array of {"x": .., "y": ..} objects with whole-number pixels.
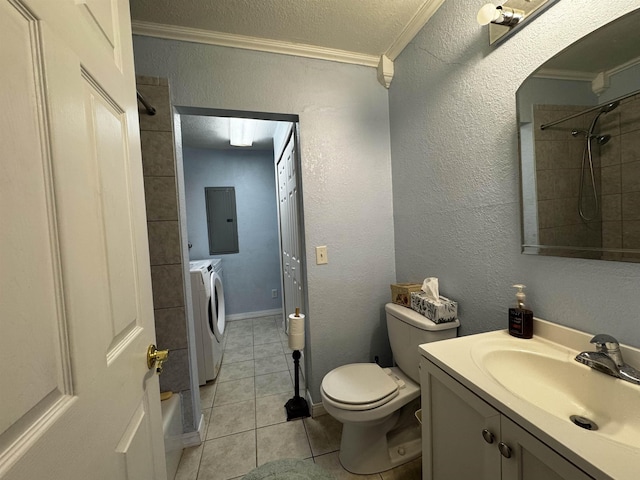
[
  {"x": 499, "y": 14},
  {"x": 241, "y": 131},
  {"x": 506, "y": 17}
]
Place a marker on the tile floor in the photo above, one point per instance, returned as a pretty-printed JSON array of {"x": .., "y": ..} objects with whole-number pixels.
[{"x": 246, "y": 419}]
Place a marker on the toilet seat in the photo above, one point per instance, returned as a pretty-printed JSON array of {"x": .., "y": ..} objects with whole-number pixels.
[{"x": 360, "y": 386}]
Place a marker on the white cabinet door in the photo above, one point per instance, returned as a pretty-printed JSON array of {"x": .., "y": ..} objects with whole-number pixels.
[
  {"x": 77, "y": 400},
  {"x": 465, "y": 437},
  {"x": 454, "y": 424},
  {"x": 533, "y": 460}
]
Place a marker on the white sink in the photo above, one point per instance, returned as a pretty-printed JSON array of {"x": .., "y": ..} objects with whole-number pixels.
[
  {"x": 539, "y": 385},
  {"x": 547, "y": 376}
]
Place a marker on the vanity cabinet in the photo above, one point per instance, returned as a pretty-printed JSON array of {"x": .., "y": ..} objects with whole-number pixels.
[{"x": 465, "y": 437}]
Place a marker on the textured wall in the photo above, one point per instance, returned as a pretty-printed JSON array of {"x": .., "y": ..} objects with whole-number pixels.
[
  {"x": 251, "y": 274},
  {"x": 346, "y": 177},
  {"x": 455, "y": 174}
]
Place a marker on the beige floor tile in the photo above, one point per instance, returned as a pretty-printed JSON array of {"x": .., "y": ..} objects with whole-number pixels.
[
  {"x": 228, "y": 457},
  {"x": 284, "y": 440},
  {"x": 276, "y": 363},
  {"x": 268, "y": 337},
  {"x": 270, "y": 410},
  {"x": 239, "y": 342},
  {"x": 236, "y": 331},
  {"x": 269, "y": 321},
  {"x": 244, "y": 324},
  {"x": 331, "y": 463},
  {"x": 234, "y": 391},
  {"x": 236, "y": 371},
  {"x": 232, "y": 418},
  {"x": 206, "y": 417},
  {"x": 260, "y": 328},
  {"x": 240, "y": 354},
  {"x": 324, "y": 434},
  {"x": 272, "y": 383},
  {"x": 408, "y": 471},
  {"x": 207, "y": 393},
  {"x": 267, "y": 350},
  {"x": 189, "y": 463}
]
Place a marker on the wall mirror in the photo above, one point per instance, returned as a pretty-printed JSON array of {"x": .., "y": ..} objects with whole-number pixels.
[{"x": 579, "y": 133}]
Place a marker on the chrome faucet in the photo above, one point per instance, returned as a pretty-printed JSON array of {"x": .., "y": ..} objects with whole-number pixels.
[{"x": 608, "y": 359}]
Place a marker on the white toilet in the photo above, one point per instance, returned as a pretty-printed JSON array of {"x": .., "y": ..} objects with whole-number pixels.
[{"x": 377, "y": 405}]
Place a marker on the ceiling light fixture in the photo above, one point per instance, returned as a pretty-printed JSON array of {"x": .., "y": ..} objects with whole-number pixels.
[{"x": 241, "y": 132}]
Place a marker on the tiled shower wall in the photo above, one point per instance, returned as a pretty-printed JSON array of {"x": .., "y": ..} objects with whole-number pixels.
[
  {"x": 163, "y": 223},
  {"x": 621, "y": 180},
  {"x": 558, "y": 157},
  {"x": 617, "y": 172}
]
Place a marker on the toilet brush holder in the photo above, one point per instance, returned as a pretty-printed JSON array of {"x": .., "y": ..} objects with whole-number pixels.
[{"x": 297, "y": 406}]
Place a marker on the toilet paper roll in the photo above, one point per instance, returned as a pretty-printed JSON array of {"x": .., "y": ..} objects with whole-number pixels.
[{"x": 296, "y": 332}]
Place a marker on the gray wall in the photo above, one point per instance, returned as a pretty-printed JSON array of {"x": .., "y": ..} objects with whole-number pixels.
[
  {"x": 455, "y": 174},
  {"x": 250, "y": 275},
  {"x": 346, "y": 178}
]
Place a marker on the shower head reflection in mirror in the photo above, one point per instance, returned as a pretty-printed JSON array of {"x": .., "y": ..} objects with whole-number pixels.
[
  {"x": 587, "y": 162},
  {"x": 578, "y": 148}
]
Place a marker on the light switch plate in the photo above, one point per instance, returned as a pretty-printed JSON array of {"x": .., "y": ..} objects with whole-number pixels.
[{"x": 321, "y": 255}]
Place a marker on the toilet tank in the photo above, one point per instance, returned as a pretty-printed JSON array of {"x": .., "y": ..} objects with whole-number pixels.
[{"x": 408, "y": 329}]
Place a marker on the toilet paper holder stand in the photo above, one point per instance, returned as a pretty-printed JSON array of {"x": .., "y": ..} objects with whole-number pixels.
[{"x": 297, "y": 406}]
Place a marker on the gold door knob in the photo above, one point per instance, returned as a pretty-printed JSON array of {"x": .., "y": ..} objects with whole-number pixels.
[{"x": 156, "y": 357}]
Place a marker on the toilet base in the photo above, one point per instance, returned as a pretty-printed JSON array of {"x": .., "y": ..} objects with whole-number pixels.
[{"x": 368, "y": 449}]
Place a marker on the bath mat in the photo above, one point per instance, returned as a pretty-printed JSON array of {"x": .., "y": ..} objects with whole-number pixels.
[{"x": 289, "y": 469}]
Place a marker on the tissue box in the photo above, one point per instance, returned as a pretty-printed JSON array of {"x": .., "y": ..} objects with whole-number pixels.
[
  {"x": 401, "y": 292},
  {"x": 445, "y": 311}
]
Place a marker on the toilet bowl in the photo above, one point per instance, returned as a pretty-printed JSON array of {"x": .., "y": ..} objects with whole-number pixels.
[{"x": 376, "y": 405}]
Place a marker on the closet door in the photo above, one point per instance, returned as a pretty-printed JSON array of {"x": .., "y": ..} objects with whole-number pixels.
[
  {"x": 290, "y": 231},
  {"x": 77, "y": 399}
]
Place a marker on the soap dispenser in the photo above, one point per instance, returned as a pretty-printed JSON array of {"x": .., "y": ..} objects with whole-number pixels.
[{"x": 520, "y": 317}]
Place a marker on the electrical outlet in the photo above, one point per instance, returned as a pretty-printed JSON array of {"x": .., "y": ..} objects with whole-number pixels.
[
  {"x": 274, "y": 293},
  {"x": 321, "y": 255}
]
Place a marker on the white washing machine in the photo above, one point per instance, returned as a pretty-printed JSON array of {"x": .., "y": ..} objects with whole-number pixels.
[{"x": 207, "y": 294}]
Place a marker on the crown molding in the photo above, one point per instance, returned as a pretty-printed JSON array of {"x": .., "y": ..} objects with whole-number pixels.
[
  {"x": 196, "y": 35},
  {"x": 600, "y": 81},
  {"x": 620, "y": 68},
  {"x": 419, "y": 20},
  {"x": 557, "y": 74},
  {"x": 385, "y": 71}
]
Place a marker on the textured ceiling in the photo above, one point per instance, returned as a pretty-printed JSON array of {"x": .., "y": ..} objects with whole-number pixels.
[
  {"x": 362, "y": 26},
  {"x": 607, "y": 48},
  {"x": 369, "y": 27}
]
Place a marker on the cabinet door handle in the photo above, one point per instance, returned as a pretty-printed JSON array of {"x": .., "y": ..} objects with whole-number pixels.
[
  {"x": 487, "y": 435},
  {"x": 504, "y": 450}
]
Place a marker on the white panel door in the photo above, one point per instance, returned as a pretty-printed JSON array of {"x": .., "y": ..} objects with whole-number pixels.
[
  {"x": 288, "y": 193},
  {"x": 77, "y": 400}
]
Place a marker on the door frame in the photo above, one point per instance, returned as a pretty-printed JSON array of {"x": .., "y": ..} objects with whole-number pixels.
[{"x": 294, "y": 129}]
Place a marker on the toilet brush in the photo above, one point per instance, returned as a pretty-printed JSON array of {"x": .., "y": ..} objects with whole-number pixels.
[{"x": 297, "y": 406}]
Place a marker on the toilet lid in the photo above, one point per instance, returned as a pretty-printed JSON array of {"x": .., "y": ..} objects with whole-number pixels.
[{"x": 359, "y": 383}]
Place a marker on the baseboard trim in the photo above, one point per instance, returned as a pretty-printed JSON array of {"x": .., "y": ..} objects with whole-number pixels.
[
  {"x": 317, "y": 409},
  {"x": 193, "y": 439},
  {"x": 261, "y": 313}
]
